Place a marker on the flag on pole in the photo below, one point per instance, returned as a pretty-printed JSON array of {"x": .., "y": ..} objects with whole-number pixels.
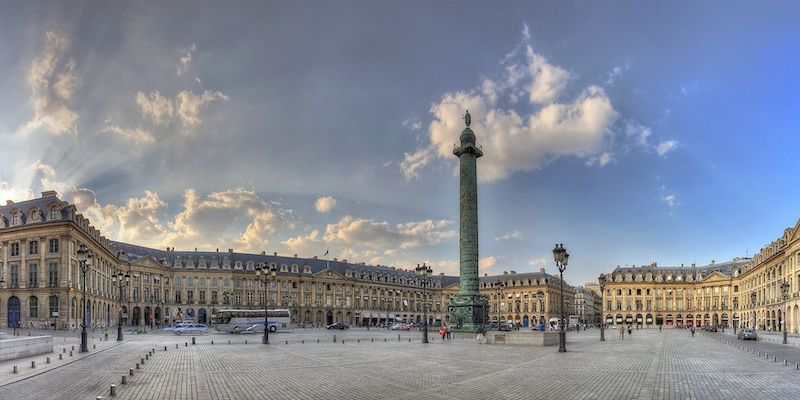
[{"x": 326, "y": 253}]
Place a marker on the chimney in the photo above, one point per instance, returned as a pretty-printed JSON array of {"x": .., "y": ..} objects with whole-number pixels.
[
  {"x": 541, "y": 269},
  {"x": 49, "y": 193},
  {"x": 9, "y": 202}
]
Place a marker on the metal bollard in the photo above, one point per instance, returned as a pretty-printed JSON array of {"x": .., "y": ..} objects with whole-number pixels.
[
  {"x": 193, "y": 343},
  {"x": 48, "y": 360},
  {"x": 165, "y": 347},
  {"x": 142, "y": 361},
  {"x": 124, "y": 379},
  {"x": 130, "y": 372},
  {"x": 60, "y": 357},
  {"x": 15, "y": 369},
  {"x": 334, "y": 338},
  {"x": 70, "y": 354},
  {"x": 137, "y": 365},
  {"x": 113, "y": 389},
  {"x": 33, "y": 364}
]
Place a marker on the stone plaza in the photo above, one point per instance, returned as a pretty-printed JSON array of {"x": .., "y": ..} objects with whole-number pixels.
[{"x": 385, "y": 364}]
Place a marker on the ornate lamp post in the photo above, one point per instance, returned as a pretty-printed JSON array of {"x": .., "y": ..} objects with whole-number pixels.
[
  {"x": 602, "y": 281},
  {"x": 120, "y": 280},
  {"x": 540, "y": 296},
  {"x": 55, "y": 313},
  {"x": 753, "y": 302},
  {"x": 516, "y": 307},
  {"x": 500, "y": 309},
  {"x": 785, "y": 292},
  {"x": 424, "y": 272},
  {"x": 735, "y": 312},
  {"x": 266, "y": 274},
  {"x": 561, "y": 258},
  {"x": 83, "y": 260}
]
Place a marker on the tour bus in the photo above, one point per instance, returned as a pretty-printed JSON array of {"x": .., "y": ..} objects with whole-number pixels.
[{"x": 236, "y": 321}]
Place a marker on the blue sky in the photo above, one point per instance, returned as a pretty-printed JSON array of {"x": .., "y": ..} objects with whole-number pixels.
[{"x": 632, "y": 132}]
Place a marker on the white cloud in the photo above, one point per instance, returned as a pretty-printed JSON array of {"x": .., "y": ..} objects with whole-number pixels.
[
  {"x": 487, "y": 263},
  {"x": 155, "y": 107},
  {"x": 350, "y": 231},
  {"x": 186, "y": 58},
  {"x": 325, "y": 204},
  {"x": 548, "y": 80},
  {"x": 189, "y": 105},
  {"x": 52, "y": 81},
  {"x": 135, "y": 135},
  {"x": 666, "y": 146},
  {"x": 513, "y": 235},
  {"x": 516, "y": 142}
]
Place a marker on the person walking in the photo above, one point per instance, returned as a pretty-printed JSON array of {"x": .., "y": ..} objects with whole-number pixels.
[
  {"x": 447, "y": 331},
  {"x": 692, "y": 330},
  {"x": 621, "y": 329},
  {"x": 481, "y": 336},
  {"x": 630, "y": 331}
]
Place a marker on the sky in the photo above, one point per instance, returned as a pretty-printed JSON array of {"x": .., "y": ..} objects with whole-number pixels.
[{"x": 631, "y": 132}]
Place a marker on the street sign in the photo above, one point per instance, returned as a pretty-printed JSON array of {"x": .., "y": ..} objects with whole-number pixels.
[{"x": 119, "y": 310}]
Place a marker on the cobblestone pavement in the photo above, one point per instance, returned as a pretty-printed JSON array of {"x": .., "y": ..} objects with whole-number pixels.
[{"x": 308, "y": 364}]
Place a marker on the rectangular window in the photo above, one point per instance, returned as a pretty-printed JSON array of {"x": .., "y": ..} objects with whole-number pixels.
[
  {"x": 54, "y": 245},
  {"x": 177, "y": 281},
  {"x": 178, "y": 296},
  {"x": 14, "y": 271},
  {"x": 190, "y": 296},
  {"x": 213, "y": 281},
  {"x": 33, "y": 247},
  {"x": 34, "y": 307},
  {"x": 202, "y": 296},
  {"x": 33, "y": 275},
  {"x": 214, "y": 297},
  {"x": 201, "y": 282},
  {"x": 189, "y": 281},
  {"x": 52, "y": 274},
  {"x": 14, "y": 249}
]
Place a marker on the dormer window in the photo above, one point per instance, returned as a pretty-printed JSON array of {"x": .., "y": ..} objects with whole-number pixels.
[
  {"x": 16, "y": 219},
  {"x": 54, "y": 214}
]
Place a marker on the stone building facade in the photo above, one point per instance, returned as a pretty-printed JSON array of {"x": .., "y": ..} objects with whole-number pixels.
[
  {"x": 41, "y": 281},
  {"x": 745, "y": 292}
]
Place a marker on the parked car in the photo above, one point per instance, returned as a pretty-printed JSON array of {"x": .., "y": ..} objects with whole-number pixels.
[
  {"x": 190, "y": 329},
  {"x": 339, "y": 325},
  {"x": 747, "y": 334},
  {"x": 401, "y": 327}
]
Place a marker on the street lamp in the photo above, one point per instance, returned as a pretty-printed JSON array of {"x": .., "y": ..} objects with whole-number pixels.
[
  {"x": 264, "y": 274},
  {"x": 753, "y": 302},
  {"x": 120, "y": 280},
  {"x": 735, "y": 312},
  {"x": 424, "y": 272},
  {"x": 785, "y": 292},
  {"x": 54, "y": 295},
  {"x": 516, "y": 306},
  {"x": 83, "y": 259},
  {"x": 561, "y": 258},
  {"x": 540, "y": 296},
  {"x": 500, "y": 309},
  {"x": 602, "y": 281}
]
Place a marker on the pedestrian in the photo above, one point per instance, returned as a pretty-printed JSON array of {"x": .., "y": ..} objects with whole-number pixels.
[
  {"x": 621, "y": 329},
  {"x": 481, "y": 335},
  {"x": 443, "y": 331},
  {"x": 447, "y": 331},
  {"x": 630, "y": 331},
  {"x": 692, "y": 331}
]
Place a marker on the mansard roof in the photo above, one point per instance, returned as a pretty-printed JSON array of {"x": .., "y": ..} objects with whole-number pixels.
[{"x": 694, "y": 273}]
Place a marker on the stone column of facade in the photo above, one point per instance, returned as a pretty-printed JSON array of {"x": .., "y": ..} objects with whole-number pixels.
[{"x": 468, "y": 311}]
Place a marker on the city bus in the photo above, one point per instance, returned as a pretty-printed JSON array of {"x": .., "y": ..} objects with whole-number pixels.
[{"x": 241, "y": 320}]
